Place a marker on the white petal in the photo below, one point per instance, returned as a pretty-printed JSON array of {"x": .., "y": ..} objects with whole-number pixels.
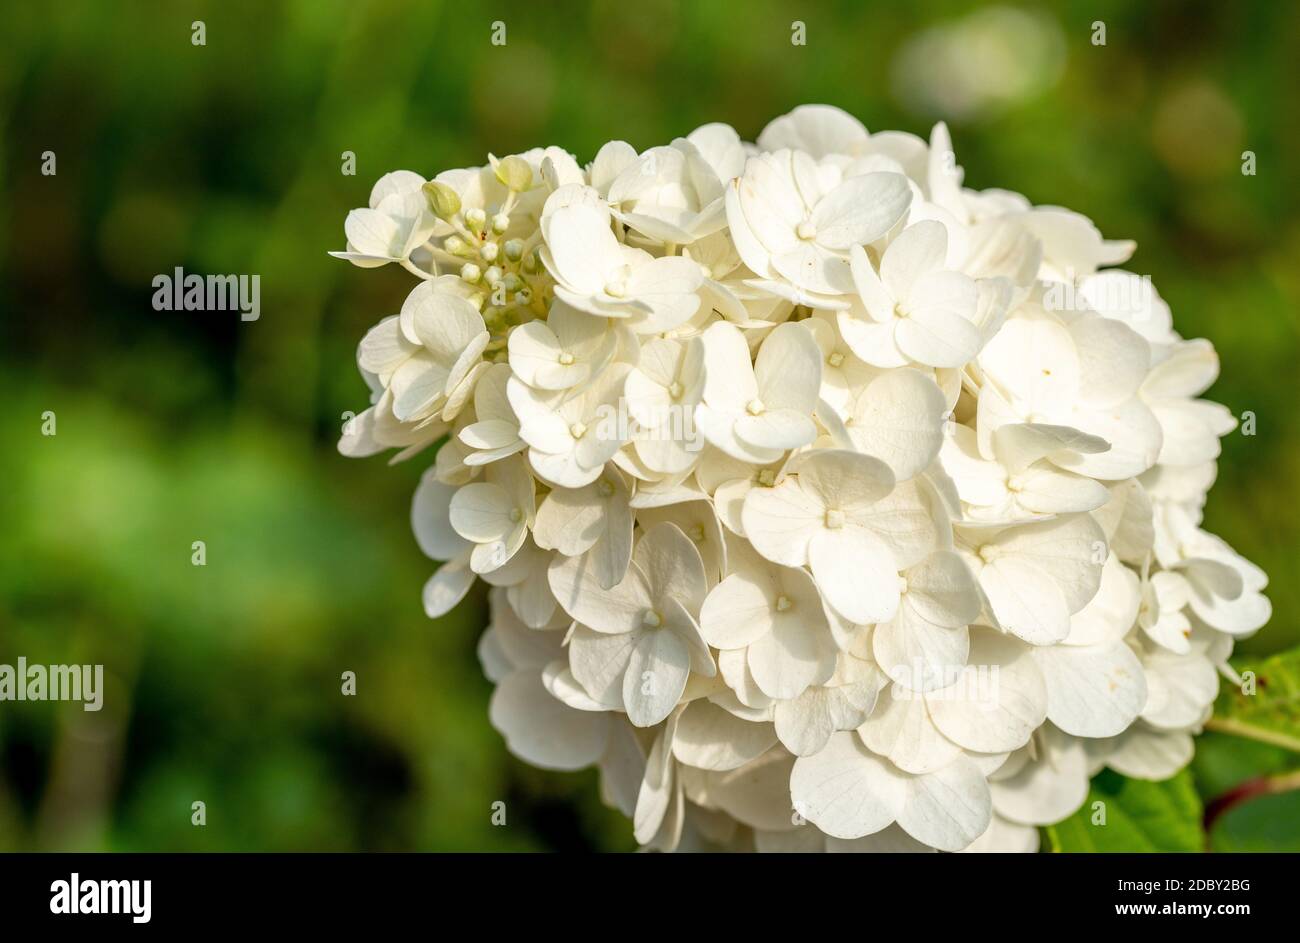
[
  {"x": 788, "y": 369},
  {"x": 710, "y": 738},
  {"x": 543, "y": 731},
  {"x": 999, "y": 700},
  {"x": 918, "y": 250},
  {"x": 861, "y": 209},
  {"x": 949, "y": 808},
  {"x": 598, "y": 662},
  {"x": 788, "y": 659},
  {"x": 901, "y": 729},
  {"x": 845, "y": 791},
  {"x": 737, "y": 612},
  {"x": 1092, "y": 690},
  {"x": 656, "y": 677},
  {"x": 622, "y": 608},
  {"x": 857, "y": 574},
  {"x": 781, "y": 521},
  {"x": 899, "y": 419}
]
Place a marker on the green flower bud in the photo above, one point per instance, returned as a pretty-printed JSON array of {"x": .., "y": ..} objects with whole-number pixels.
[
  {"x": 443, "y": 200},
  {"x": 515, "y": 173}
]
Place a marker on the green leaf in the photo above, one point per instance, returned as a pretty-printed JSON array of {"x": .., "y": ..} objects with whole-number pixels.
[
  {"x": 1272, "y": 713},
  {"x": 1269, "y": 823},
  {"x": 1134, "y": 816}
]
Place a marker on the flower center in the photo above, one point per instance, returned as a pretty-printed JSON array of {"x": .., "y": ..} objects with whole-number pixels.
[
  {"x": 988, "y": 553},
  {"x": 902, "y": 586},
  {"x": 616, "y": 288},
  {"x": 766, "y": 477},
  {"x": 835, "y": 359},
  {"x": 577, "y": 430},
  {"x": 834, "y": 518},
  {"x": 755, "y": 407},
  {"x": 696, "y": 533},
  {"x": 1015, "y": 483},
  {"x": 783, "y": 603},
  {"x": 806, "y": 230},
  {"x": 674, "y": 389},
  {"x": 566, "y": 358},
  {"x": 516, "y": 515},
  {"x": 651, "y": 619},
  {"x": 604, "y": 488}
]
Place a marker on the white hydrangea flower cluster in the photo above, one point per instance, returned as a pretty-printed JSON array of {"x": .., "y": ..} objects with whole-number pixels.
[{"x": 826, "y": 504}]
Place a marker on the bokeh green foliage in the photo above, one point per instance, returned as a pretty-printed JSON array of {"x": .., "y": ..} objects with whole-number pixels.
[{"x": 224, "y": 680}]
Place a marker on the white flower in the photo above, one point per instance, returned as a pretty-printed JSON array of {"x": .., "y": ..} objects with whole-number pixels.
[
  {"x": 571, "y": 433},
  {"x": 849, "y": 792},
  {"x": 773, "y": 613},
  {"x": 1084, "y": 374},
  {"x": 597, "y": 274},
  {"x": 563, "y": 351},
  {"x": 495, "y": 432},
  {"x": 1022, "y": 482},
  {"x": 594, "y": 519},
  {"x": 826, "y": 504},
  {"x": 396, "y": 223},
  {"x": 898, "y": 418},
  {"x": 841, "y": 514},
  {"x": 820, "y": 130},
  {"x": 916, "y": 309},
  {"x": 639, "y": 639},
  {"x": 495, "y": 514},
  {"x": 674, "y": 194},
  {"x": 431, "y": 363},
  {"x": 926, "y": 642},
  {"x": 662, "y": 391},
  {"x": 793, "y": 221},
  {"x": 1037, "y": 575},
  {"x": 756, "y": 410}
]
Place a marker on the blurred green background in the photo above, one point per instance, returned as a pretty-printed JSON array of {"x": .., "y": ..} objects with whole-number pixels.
[{"x": 223, "y": 681}]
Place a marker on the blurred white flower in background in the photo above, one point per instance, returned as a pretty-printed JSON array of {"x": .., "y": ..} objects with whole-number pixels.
[{"x": 979, "y": 64}]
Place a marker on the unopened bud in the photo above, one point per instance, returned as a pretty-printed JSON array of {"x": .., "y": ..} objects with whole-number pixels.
[
  {"x": 514, "y": 249},
  {"x": 443, "y": 200},
  {"x": 470, "y": 272},
  {"x": 500, "y": 223},
  {"x": 515, "y": 173},
  {"x": 476, "y": 218}
]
